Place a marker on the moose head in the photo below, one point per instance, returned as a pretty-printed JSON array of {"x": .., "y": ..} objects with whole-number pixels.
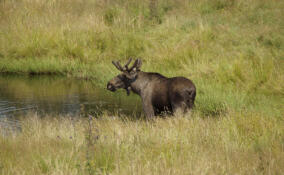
[{"x": 127, "y": 76}]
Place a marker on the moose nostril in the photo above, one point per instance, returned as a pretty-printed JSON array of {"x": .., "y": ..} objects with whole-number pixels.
[{"x": 109, "y": 86}]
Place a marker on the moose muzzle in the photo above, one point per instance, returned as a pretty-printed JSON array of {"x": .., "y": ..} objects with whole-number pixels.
[{"x": 111, "y": 87}]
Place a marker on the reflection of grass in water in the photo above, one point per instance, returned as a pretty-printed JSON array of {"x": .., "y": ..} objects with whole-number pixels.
[
  {"x": 45, "y": 86},
  {"x": 58, "y": 91},
  {"x": 235, "y": 143},
  {"x": 42, "y": 86}
]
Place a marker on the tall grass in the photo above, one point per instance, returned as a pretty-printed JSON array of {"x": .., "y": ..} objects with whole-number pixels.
[
  {"x": 236, "y": 143},
  {"x": 238, "y": 42}
]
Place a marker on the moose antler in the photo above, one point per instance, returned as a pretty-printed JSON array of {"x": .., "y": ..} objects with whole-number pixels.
[
  {"x": 137, "y": 65},
  {"x": 128, "y": 62},
  {"x": 117, "y": 65}
]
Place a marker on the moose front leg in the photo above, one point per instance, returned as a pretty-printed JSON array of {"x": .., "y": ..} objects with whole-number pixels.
[{"x": 148, "y": 108}]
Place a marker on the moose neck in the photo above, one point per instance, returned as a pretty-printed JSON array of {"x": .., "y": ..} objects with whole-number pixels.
[{"x": 140, "y": 83}]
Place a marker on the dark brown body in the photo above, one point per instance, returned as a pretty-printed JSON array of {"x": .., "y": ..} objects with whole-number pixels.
[{"x": 159, "y": 94}]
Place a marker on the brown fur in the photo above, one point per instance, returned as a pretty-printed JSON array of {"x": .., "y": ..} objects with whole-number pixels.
[{"x": 159, "y": 94}]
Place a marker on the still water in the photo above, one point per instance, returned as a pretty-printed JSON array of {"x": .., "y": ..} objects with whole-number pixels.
[{"x": 53, "y": 95}]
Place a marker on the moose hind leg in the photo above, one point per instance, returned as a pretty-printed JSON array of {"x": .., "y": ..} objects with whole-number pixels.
[
  {"x": 178, "y": 104},
  {"x": 179, "y": 107}
]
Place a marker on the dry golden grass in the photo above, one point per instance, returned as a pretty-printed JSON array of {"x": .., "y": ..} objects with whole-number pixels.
[{"x": 232, "y": 144}]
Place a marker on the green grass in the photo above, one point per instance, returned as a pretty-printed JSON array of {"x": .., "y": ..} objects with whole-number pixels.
[
  {"x": 236, "y": 143},
  {"x": 233, "y": 50},
  {"x": 228, "y": 41}
]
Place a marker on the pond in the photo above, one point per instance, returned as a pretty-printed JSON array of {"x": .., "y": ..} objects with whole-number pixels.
[{"x": 55, "y": 95}]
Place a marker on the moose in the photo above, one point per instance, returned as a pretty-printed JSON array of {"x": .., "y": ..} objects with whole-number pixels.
[{"x": 159, "y": 94}]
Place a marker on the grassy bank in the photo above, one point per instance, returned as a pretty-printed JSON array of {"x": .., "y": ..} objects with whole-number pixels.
[
  {"x": 233, "y": 144},
  {"x": 222, "y": 40}
]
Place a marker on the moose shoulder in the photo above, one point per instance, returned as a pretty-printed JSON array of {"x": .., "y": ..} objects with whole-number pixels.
[{"x": 159, "y": 94}]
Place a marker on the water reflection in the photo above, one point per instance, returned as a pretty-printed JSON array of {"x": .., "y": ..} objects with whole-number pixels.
[{"x": 58, "y": 95}]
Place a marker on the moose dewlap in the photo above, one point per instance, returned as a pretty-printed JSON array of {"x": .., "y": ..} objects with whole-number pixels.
[{"x": 159, "y": 94}]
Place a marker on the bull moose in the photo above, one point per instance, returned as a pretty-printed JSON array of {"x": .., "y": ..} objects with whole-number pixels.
[{"x": 159, "y": 94}]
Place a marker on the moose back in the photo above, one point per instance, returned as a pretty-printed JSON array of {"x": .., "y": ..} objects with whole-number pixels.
[{"x": 159, "y": 94}]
